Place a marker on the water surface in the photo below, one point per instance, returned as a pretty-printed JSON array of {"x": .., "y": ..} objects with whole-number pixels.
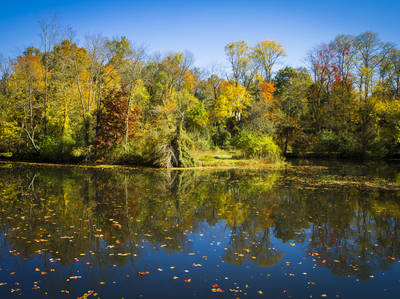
[{"x": 317, "y": 229}]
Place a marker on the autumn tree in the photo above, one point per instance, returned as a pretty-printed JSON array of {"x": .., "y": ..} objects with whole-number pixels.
[
  {"x": 371, "y": 52},
  {"x": 27, "y": 87},
  {"x": 49, "y": 33},
  {"x": 231, "y": 102},
  {"x": 266, "y": 54},
  {"x": 263, "y": 99},
  {"x": 112, "y": 122},
  {"x": 239, "y": 55}
]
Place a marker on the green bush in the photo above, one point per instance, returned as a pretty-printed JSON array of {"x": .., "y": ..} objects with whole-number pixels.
[
  {"x": 255, "y": 145},
  {"x": 137, "y": 152},
  {"x": 221, "y": 137},
  {"x": 55, "y": 149},
  {"x": 344, "y": 143},
  {"x": 349, "y": 145},
  {"x": 377, "y": 149},
  {"x": 329, "y": 141}
]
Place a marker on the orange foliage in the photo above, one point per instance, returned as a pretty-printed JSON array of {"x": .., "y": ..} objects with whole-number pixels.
[
  {"x": 190, "y": 81},
  {"x": 267, "y": 91}
]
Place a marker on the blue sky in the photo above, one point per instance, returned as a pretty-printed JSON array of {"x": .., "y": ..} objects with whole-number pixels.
[{"x": 203, "y": 27}]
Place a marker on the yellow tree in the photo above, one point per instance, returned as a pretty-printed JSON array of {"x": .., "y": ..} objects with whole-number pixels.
[
  {"x": 231, "y": 102},
  {"x": 239, "y": 56},
  {"x": 266, "y": 53},
  {"x": 70, "y": 86},
  {"x": 26, "y": 85},
  {"x": 10, "y": 130}
]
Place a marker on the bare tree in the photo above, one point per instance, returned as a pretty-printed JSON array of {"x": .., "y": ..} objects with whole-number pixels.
[
  {"x": 5, "y": 72},
  {"x": 132, "y": 75},
  {"x": 96, "y": 47},
  {"x": 48, "y": 37}
]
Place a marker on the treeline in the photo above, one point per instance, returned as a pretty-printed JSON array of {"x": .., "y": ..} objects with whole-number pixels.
[{"x": 110, "y": 101}]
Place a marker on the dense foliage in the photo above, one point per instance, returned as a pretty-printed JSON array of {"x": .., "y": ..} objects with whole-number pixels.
[{"x": 109, "y": 101}]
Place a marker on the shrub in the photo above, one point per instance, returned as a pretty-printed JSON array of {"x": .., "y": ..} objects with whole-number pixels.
[
  {"x": 377, "y": 148},
  {"x": 329, "y": 141},
  {"x": 349, "y": 145},
  {"x": 55, "y": 149},
  {"x": 221, "y": 137},
  {"x": 255, "y": 145},
  {"x": 344, "y": 143}
]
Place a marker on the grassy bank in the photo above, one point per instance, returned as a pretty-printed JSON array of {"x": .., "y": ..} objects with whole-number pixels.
[
  {"x": 204, "y": 159},
  {"x": 230, "y": 159}
]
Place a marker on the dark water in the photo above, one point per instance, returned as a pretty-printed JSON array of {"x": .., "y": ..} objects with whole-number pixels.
[{"x": 316, "y": 230}]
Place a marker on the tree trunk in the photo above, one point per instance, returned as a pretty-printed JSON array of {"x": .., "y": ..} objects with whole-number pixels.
[{"x": 127, "y": 121}]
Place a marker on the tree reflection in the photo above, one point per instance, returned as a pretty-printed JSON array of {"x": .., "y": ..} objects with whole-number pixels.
[{"x": 67, "y": 212}]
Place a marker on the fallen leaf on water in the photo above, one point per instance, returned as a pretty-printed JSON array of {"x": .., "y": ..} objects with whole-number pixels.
[
  {"x": 75, "y": 277},
  {"x": 124, "y": 254}
]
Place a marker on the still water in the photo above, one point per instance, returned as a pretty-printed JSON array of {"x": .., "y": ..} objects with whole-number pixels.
[{"x": 313, "y": 230}]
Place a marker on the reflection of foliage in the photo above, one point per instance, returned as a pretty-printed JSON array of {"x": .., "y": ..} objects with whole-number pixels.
[{"x": 66, "y": 212}]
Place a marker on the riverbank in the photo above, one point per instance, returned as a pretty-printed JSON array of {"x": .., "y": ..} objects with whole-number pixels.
[
  {"x": 216, "y": 159},
  {"x": 220, "y": 159}
]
